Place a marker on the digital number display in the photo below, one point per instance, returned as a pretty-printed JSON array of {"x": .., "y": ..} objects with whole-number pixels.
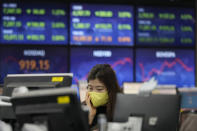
[
  {"x": 34, "y": 23},
  {"x": 175, "y": 66},
  {"x": 101, "y": 24},
  {"x": 83, "y": 59},
  {"x": 32, "y": 60},
  {"x": 32, "y": 65},
  {"x": 165, "y": 26}
]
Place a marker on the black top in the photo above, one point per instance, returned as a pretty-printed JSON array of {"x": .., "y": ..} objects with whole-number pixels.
[{"x": 99, "y": 110}]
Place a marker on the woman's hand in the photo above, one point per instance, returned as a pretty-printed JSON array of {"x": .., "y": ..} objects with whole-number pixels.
[{"x": 92, "y": 110}]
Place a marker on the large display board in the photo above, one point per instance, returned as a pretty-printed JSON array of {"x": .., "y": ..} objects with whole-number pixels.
[
  {"x": 95, "y": 24},
  {"x": 34, "y": 23},
  {"x": 161, "y": 26},
  {"x": 174, "y": 66},
  {"x": 32, "y": 60},
  {"x": 120, "y": 59}
]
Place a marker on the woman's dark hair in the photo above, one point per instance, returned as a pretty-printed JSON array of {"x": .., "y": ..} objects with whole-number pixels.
[{"x": 105, "y": 74}]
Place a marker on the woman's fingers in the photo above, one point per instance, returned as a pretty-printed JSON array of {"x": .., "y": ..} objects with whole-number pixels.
[
  {"x": 88, "y": 100},
  {"x": 86, "y": 95}
]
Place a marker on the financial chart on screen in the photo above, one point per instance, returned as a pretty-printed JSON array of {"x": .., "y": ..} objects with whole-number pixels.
[
  {"x": 83, "y": 59},
  {"x": 33, "y": 23},
  {"x": 96, "y": 24},
  {"x": 165, "y": 26},
  {"x": 32, "y": 60},
  {"x": 175, "y": 66}
]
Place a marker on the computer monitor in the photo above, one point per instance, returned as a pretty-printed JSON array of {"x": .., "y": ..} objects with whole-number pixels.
[
  {"x": 188, "y": 98},
  {"x": 131, "y": 87},
  {"x": 159, "y": 112},
  {"x": 36, "y": 81},
  {"x": 59, "y": 109}
]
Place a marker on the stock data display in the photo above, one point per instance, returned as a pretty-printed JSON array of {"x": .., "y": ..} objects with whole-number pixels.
[
  {"x": 83, "y": 59},
  {"x": 188, "y": 99},
  {"x": 32, "y": 60},
  {"x": 167, "y": 66},
  {"x": 101, "y": 24},
  {"x": 165, "y": 26},
  {"x": 33, "y": 23}
]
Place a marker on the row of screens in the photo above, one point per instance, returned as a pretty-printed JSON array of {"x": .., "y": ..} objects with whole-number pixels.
[
  {"x": 96, "y": 24},
  {"x": 174, "y": 66}
]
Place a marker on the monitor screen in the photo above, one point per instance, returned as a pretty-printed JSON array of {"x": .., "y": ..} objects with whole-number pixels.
[
  {"x": 159, "y": 112},
  {"x": 36, "y": 81},
  {"x": 172, "y": 66},
  {"x": 188, "y": 98},
  {"x": 96, "y": 24},
  {"x": 161, "y": 26},
  {"x": 120, "y": 59},
  {"x": 22, "y": 60},
  {"x": 57, "y": 109},
  {"x": 132, "y": 87},
  {"x": 34, "y": 23},
  {"x": 20, "y": 83}
]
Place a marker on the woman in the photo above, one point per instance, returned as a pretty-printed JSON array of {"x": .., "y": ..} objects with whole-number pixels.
[{"x": 101, "y": 94}]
